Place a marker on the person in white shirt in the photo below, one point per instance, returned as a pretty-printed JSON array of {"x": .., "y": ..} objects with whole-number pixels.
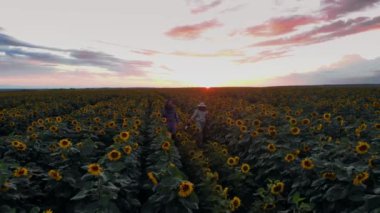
[{"x": 200, "y": 118}]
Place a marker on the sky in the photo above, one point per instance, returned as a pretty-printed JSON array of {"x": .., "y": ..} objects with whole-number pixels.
[{"x": 188, "y": 43}]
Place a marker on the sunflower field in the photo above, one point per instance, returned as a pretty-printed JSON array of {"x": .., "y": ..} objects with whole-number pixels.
[{"x": 284, "y": 149}]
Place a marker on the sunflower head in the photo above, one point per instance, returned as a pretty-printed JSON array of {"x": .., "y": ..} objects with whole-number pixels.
[
  {"x": 124, "y": 136},
  {"x": 271, "y": 147},
  {"x": 94, "y": 169},
  {"x": 185, "y": 189},
  {"x": 64, "y": 143},
  {"x": 327, "y": 116},
  {"x": 268, "y": 206},
  {"x": 360, "y": 178},
  {"x": 290, "y": 157},
  {"x": 20, "y": 172},
  {"x": 235, "y": 203},
  {"x": 277, "y": 188},
  {"x": 329, "y": 175},
  {"x": 256, "y": 122},
  {"x": 295, "y": 131},
  {"x": 305, "y": 121},
  {"x": 245, "y": 168},
  {"x": 53, "y": 129},
  {"x": 362, "y": 147},
  {"x": 254, "y": 134},
  {"x": 307, "y": 164},
  {"x": 114, "y": 155},
  {"x": 48, "y": 211},
  {"x": 127, "y": 149},
  {"x": 165, "y": 146},
  {"x": 54, "y": 174}
]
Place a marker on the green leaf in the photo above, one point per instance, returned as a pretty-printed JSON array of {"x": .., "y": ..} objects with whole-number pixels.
[
  {"x": 336, "y": 192},
  {"x": 81, "y": 194}
]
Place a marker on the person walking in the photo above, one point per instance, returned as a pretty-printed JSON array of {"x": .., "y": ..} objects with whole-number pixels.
[
  {"x": 200, "y": 118},
  {"x": 171, "y": 117}
]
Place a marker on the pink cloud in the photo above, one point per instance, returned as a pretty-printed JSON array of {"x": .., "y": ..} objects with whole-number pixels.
[
  {"x": 190, "y": 32},
  {"x": 333, "y": 9},
  {"x": 220, "y": 53},
  {"x": 146, "y": 52},
  {"x": 264, "y": 55},
  {"x": 281, "y": 25},
  {"x": 206, "y": 7},
  {"x": 327, "y": 32}
]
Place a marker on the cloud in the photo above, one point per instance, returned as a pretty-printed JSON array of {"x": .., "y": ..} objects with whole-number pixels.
[
  {"x": 333, "y": 9},
  {"x": 190, "y": 32},
  {"x": 281, "y": 25},
  {"x": 352, "y": 69},
  {"x": 206, "y": 7},
  {"x": 327, "y": 32},
  {"x": 22, "y": 57},
  {"x": 146, "y": 52},
  {"x": 233, "y": 9},
  {"x": 263, "y": 56},
  {"x": 220, "y": 53}
]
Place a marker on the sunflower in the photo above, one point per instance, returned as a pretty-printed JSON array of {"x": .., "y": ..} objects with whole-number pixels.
[
  {"x": 329, "y": 175},
  {"x": 65, "y": 143},
  {"x": 225, "y": 151},
  {"x": 58, "y": 119},
  {"x": 277, "y": 188},
  {"x": 21, "y": 171},
  {"x": 290, "y": 157},
  {"x": 165, "y": 146},
  {"x": 245, "y": 168},
  {"x": 268, "y": 206},
  {"x": 138, "y": 122},
  {"x": 127, "y": 149},
  {"x": 111, "y": 124},
  {"x": 295, "y": 131},
  {"x": 94, "y": 169},
  {"x": 293, "y": 121},
  {"x": 185, "y": 189},
  {"x": 218, "y": 188},
  {"x": 307, "y": 164},
  {"x": 243, "y": 128},
  {"x": 231, "y": 161},
  {"x": 377, "y": 126},
  {"x": 124, "y": 136},
  {"x": 21, "y": 147},
  {"x": 53, "y": 129},
  {"x": 48, "y": 211},
  {"x": 97, "y": 120},
  {"x": 305, "y": 122},
  {"x": 327, "y": 116},
  {"x": 254, "y": 134},
  {"x": 239, "y": 122},
  {"x": 235, "y": 203},
  {"x": 164, "y": 120},
  {"x": 271, "y": 147},
  {"x": 152, "y": 178},
  {"x": 360, "y": 178},
  {"x": 114, "y": 155},
  {"x": 54, "y": 174},
  {"x": 78, "y": 128},
  {"x": 370, "y": 161},
  {"x": 362, "y": 147}
]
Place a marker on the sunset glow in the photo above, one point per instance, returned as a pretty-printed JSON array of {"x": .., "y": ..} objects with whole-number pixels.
[{"x": 188, "y": 43}]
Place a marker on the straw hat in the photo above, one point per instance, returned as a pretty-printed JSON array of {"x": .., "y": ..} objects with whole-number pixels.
[{"x": 202, "y": 105}]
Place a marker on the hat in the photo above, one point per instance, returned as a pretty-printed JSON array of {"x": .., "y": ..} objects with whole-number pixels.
[{"x": 201, "y": 104}]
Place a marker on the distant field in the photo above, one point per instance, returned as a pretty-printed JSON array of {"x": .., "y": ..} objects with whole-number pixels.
[{"x": 280, "y": 149}]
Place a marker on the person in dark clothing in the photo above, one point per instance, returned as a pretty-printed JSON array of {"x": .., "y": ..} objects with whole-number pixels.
[{"x": 171, "y": 117}]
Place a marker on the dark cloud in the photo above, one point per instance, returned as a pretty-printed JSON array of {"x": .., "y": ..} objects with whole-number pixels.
[
  {"x": 356, "y": 72},
  {"x": 264, "y": 56},
  {"x": 205, "y": 7},
  {"x": 333, "y": 9},
  {"x": 20, "y": 56}
]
